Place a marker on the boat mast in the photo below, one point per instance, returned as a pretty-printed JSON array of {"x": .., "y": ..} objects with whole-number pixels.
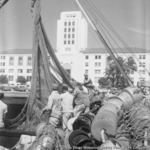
[{"x": 103, "y": 41}]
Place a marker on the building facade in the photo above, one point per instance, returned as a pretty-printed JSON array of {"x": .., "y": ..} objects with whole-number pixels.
[
  {"x": 72, "y": 33},
  {"x": 96, "y": 61},
  {"x": 14, "y": 63}
]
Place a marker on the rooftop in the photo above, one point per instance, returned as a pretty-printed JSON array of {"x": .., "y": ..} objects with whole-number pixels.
[
  {"x": 17, "y": 51},
  {"x": 115, "y": 50}
]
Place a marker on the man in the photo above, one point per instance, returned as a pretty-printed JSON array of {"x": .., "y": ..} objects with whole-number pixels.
[
  {"x": 3, "y": 110},
  {"x": 54, "y": 105},
  {"x": 88, "y": 83},
  {"x": 67, "y": 105},
  {"x": 78, "y": 100}
]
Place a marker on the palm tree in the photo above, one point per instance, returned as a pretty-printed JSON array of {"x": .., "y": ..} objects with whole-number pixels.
[{"x": 114, "y": 74}]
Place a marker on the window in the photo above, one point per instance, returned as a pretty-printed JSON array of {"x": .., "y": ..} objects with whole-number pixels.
[
  {"x": 86, "y": 64},
  {"x": 142, "y": 71},
  {"x": 29, "y": 70},
  {"x": 86, "y": 71},
  {"x": 86, "y": 57},
  {"x": 65, "y": 36},
  {"x": 72, "y": 41},
  {"x": 73, "y": 23},
  {"x": 97, "y": 71},
  {"x": 97, "y": 56},
  {"x": 73, "y": 29},
  {"x": 29, "y": 61},
  {"x": 20, "y": 70},
  {"x": 69, "y": 29},
  {"x": 64, "y": 42},
  {"x": 68, "y": 42},
  {"x": 11, "y": 61},
  {"x": 65, "y": 29},
  {"x": 20, "y": 61},
  {"x": 73, "y": 36},
  {"x": 10, "y": 78},
  {"x": 97, "y": 64},
  {"x": 142, "y": 56},
  {"x": 68, "y": 35},
  {"x": 65, "y": 23},
  {"x": 142, "y": 64},
  {"x": 69, "y": 23},
  {"x": 2, "y": 71},
  {"x": 2, "y": 64},
  {"x": 11, "y": 70},
  {"x": 2, "y": 57},
  {"x": 29, "y": 78}
]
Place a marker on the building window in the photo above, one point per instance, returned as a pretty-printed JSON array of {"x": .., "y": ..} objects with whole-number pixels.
[
  {"x": 86, "y": 64},
  {"x": 2, "y": 64},
  {"x": 68, "y": 35},
  {"x": 142, "y": 64},
  {"x": 73, "y": 23},
  {"x": 97, "y": 56},
  {"x": 97, "y": 64},
  {"x": 142, "y": 56},
  {"x": 73, "y": 36},
  {"x": 2, "y": 70},
  {"x": 65, "y": 29},
  {"x": 2, "y": 57},
  {"x": 29, "y": 78},
  {"x": 86, "y": 57},
  {"x": 69, "y": 23},
  {"x": 68, "y": 42},
  {"x": 65, "y": 23},
  {"x": 29, "y": 70},
  {"x": 11, "y": 61},
  {"x": 142, "y": 71},
  {"x": 86, "y": 71},
  {"x": 69, "y": 29},
  {"x": 65, "y": 36},
  {"x": 20, "y": 61},
  {"x": 11, "y": 70},
  {"x": 97, "y": 71},
  {"x": 72, "y": 41},
  {"x": 29, "y": 61},
  {"x": 64, "y": 42},
  {"x": 20, "y": 70},
  {"x": 10, "y": 78},
  {"x": 73, "y": 29}
]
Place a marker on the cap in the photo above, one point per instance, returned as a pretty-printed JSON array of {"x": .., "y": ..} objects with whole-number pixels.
[{"x": 54, "y": 87}]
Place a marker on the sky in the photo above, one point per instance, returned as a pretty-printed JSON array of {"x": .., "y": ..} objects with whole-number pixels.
[{"x": 130, "y": 18}]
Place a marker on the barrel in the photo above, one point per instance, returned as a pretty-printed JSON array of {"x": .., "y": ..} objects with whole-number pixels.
[
  {"x": 105, "y": 120},
  {"x": 79, "y": 139},
  {"x": 110, "y": 107},
  {"x": 135, "y": 93},
  {"x": 84, "y": 122}
]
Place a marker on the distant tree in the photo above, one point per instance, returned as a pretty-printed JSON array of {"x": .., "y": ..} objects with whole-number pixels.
[
  {"x": 21, "y": 79},
  {"x": 114, "y": 74},
  {"x": 3, "y": 79},
  {"x": 103, "y": 82}
]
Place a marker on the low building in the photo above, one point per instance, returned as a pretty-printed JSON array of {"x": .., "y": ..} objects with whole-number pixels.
[{"x": 14, "y": 63}]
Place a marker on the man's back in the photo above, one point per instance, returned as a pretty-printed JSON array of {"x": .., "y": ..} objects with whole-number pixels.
[
  {"x": 67, "y": 102},
  {"x": 3, "y": 110}
]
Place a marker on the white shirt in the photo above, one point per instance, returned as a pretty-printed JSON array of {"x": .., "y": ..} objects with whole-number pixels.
[
  {"x": 67, "y": 102},
  {"x": 3, "y": 110}
]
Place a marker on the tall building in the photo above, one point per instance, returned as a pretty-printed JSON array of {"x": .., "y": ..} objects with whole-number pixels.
[
  {"x": 72, "y": 34},
  {"x": 14, "y": 63}
]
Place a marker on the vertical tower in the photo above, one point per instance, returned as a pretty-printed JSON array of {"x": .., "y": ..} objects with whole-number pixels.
[{"x": 71, "y": 33}]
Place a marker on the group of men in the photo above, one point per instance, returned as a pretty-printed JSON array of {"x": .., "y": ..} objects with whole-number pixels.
[{"x": 66, "y": 105}]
